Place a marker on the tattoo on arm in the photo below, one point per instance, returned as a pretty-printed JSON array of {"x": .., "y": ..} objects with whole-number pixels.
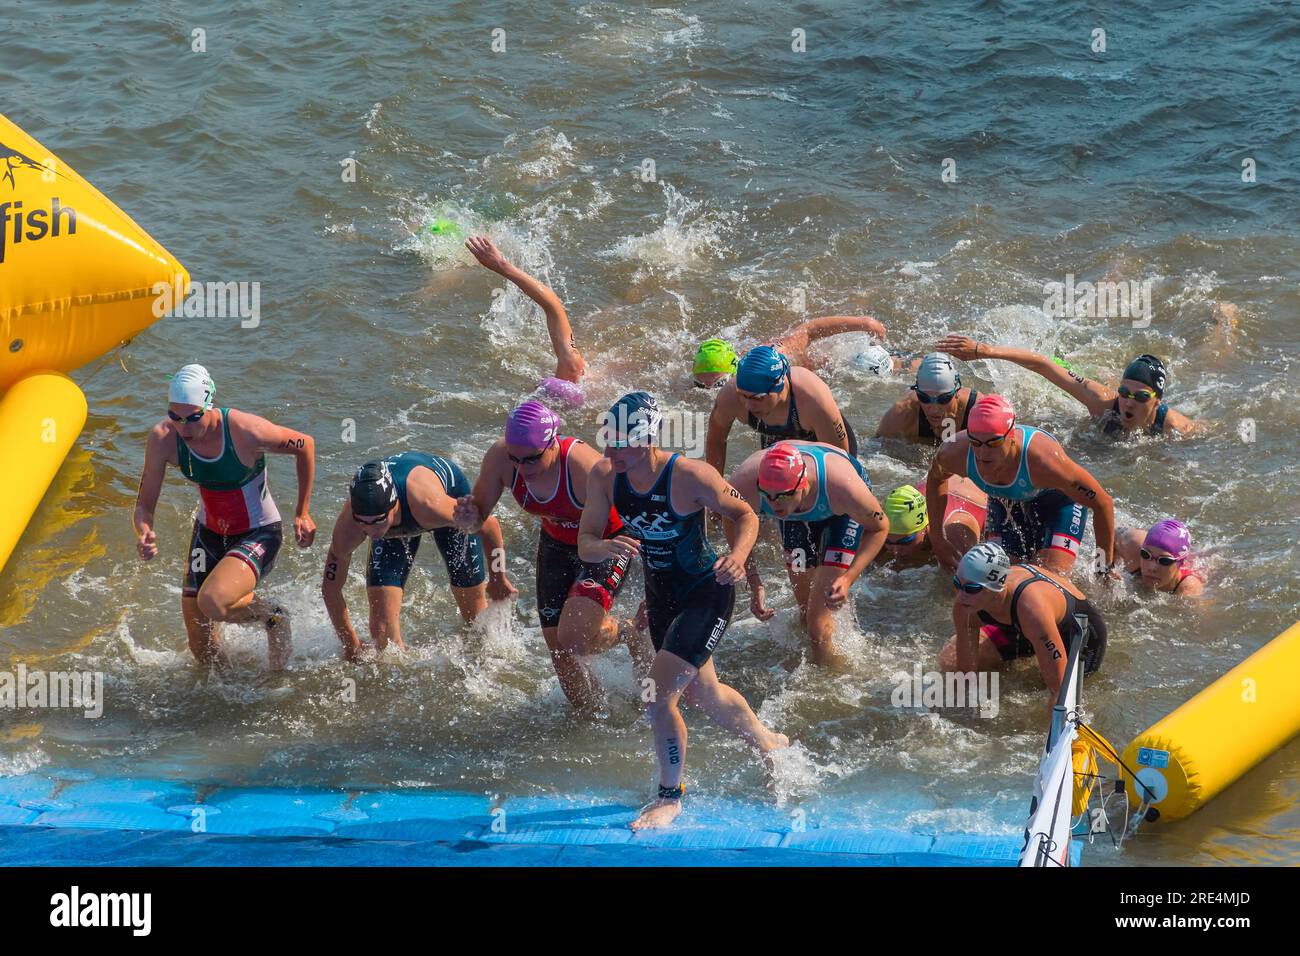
[
  {"x": 293, "y": 443},
  {"x": 1086, "y": 491}
]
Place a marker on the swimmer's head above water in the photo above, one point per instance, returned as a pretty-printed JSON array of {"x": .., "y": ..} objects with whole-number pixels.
[
  {"x": 908, "y": 520},
  {"x": 761, "y": 379},
  {"x": 189, "y": 396},
  {"x": 783, "y": 479},
  {"x": 936, "y": 387},
  {"x": 1141, "y": 391},
  {"x": 1164, "y": 552},
  {"x": 990, "y": 429},
  {"x": 531, "y": 431},
  {"x": 715, "y": 363},
  {"x": 630, "y": 429},
  {"x": 373, "y": 496},
  {"x": 981, "y": 574}
]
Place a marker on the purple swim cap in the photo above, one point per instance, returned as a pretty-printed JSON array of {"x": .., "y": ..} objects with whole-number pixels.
[
  {"x": 558, "y": 388},
  {"x": 532, "y": 425},
  {"x": 1170, "y": 535}
]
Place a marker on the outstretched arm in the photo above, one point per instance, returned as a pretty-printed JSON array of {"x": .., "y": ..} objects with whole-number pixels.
[
  {"x": 795, "y": 342},
  {"x": 569, "y": 364},
  {"x": 1092, "y": 395}
]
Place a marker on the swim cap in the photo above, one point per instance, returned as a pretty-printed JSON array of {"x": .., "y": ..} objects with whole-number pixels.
[
  {"x": 532, "y": 425},
  {"x": 781, "y": 469},
  {"x": 937, "y": 374},
  {"x": 874, "y": 359},
  {"x": 1170, "y": 535},
  {"x": 992, "y": 415},
  {"x": 905, "y": 509},
  {"x": 1148, "y": 370},
  {"x": 565, "y": 391},
  {"x": 192, "y": 385},
  {"x": 632, "y": 421},
  {"x": 714, "y": 355},
  {"x": 985, "y": 564},
  {"x": 373, "y": 491},
  {"x": 762, "y": 370}
]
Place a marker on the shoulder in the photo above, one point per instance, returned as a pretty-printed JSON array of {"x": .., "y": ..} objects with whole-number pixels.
[
  {"x": 808, "y": 382},
  {"x": 1190, "y": 586}
]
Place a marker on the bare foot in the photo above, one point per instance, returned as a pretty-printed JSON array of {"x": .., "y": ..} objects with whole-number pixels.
[{"x": 659, "y": 814}]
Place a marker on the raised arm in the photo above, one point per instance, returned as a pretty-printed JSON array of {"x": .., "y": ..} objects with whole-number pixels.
[
  {"x": 795, "y": 342},
  {"x": 569, "y": 364},
  {"x": 269, "y": 438},
  {"x": 1092, "y": 395}
]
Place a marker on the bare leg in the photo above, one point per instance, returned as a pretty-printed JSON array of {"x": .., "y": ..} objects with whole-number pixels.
[
  {"x": 227, "y": 596},
  {"x": 726, "y": 707},
  {"x": 471, "y": 601},
  {"x": 987, "y": 658},
  {"x": 385, "y": 616},
  {"x": 577, "y": 681},
  {"x": 821, "y": 619},
  {"x": 670, "y": 675},
  {"x": 203, "y": 634}
]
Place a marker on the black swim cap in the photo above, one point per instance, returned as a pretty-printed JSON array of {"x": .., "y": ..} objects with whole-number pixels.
[
  {"x": 1148, "y": 370},
  {"x": 373, "y": 491}
]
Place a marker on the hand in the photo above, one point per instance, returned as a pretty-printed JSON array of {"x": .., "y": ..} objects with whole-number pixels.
[
  {"x": 838, "y": 592},
  {"x": 877, "y": 327},
  {"x": 147, "y": 545},
  {"x": 570, "y": 367},
  {"x": 304, "y": 530},
  {"x": 728, "y": 570},
  {"x": 465, "y": 516},
  {"x": 619, "y": 546},
  {"x": 758, "y": 601},
  {"x": 353, "y": 652},
  {"x": 499, "y": 587},
  {"x": 960, "y": 347},
  {"x": 1108, "y": 574},
  {"x": 488, "y": 255}
]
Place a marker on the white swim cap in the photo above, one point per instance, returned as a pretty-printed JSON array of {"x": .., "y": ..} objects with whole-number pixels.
[
  {"x": 937, "y": 374},
  {"x": 874, "y": 359},
  {"x": 192, "y": 385},
  {"x": 985, "y": 564}
]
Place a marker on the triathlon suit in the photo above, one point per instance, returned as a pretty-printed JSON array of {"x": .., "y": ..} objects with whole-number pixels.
[
  {"x": 819, "y": 536},
  {"x": 1024, "y": 518},
  {"x": 1012, "y": 643},
  {"x": 923, "y": 429},
  {"x": 237, "y": 517},
  {"x": 560, "y": 572},
  {"x": 1110, "y": 421},
  {"x": 688, "y": 609},
  {"x": 392, "y": 555},
  {"x": 769, "y": 435}
]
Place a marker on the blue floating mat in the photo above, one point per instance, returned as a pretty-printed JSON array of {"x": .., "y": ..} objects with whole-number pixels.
[{"x": 59, "y": 819}]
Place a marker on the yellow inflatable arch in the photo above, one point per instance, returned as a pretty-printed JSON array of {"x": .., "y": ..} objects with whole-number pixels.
[{"x": 78, "y": 278}]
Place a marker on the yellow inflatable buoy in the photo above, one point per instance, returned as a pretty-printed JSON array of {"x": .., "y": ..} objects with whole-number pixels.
[
  {"x": 78, "y": 277},
  {"x": 1209, "y": 742}
]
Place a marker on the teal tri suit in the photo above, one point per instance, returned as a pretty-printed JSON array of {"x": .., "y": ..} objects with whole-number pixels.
[
  {"x": 687, "y": 607},
  {"x": 1024, "y": 518},
  {"x": 392, "y": 555},
  {"x": 818, "y": 536}
]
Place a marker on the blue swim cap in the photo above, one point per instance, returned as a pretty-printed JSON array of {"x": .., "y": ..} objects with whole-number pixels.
[
  {"x": 631, "y": 422},
  {"x": 762, "y": 370}
]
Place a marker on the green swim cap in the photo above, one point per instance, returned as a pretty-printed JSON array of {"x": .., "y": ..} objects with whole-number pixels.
[
  {"x": 905, "y": 509},
  {"x": 444, "y": 227},
  {"x": 715, "y": 355}
]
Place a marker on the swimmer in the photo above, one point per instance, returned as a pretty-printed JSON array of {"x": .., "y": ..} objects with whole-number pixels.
[
  {"x": 690, "y": 591},
  {"x": 937, "y": 407},
  {"x": 393, "y": 502},
  {"x": 716, "y": 361},
  {"x": 237, "y": 534},
  {"x": 908, "y": 521},
  {"x": 570, "y": 367},
  {"x": 1137, "y": 405},
  {"x": 780, "y": 403},
  {"x": 832, "y": 528},
  {"x": 1001, "y": 613},
  {"x": 547, "y": 473},
  {"x": 1039, "y": 497},
  {"x": 1158, "y": 559}
]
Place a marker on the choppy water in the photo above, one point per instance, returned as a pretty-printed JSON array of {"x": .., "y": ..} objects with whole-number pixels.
[{"x": 775, "y": 171}]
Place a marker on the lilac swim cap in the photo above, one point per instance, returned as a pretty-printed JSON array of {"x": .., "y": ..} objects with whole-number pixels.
[
  {"x": 532, "y": 425},
  {"x": 558, "y": 388},
  {"x": 1170, "y": 535}
]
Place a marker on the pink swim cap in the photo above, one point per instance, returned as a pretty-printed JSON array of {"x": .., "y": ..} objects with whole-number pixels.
[
  {"x": 1170, "y": 535},
  {"x": 992, "y": 415},
  {"x": 532, "y": 425},
  {"x": 565, "y": 391},
  {"x": 782, "y": 469}
]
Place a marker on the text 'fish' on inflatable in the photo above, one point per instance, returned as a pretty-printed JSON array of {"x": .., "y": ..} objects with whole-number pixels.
[{"x": 77, "y": 279}]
